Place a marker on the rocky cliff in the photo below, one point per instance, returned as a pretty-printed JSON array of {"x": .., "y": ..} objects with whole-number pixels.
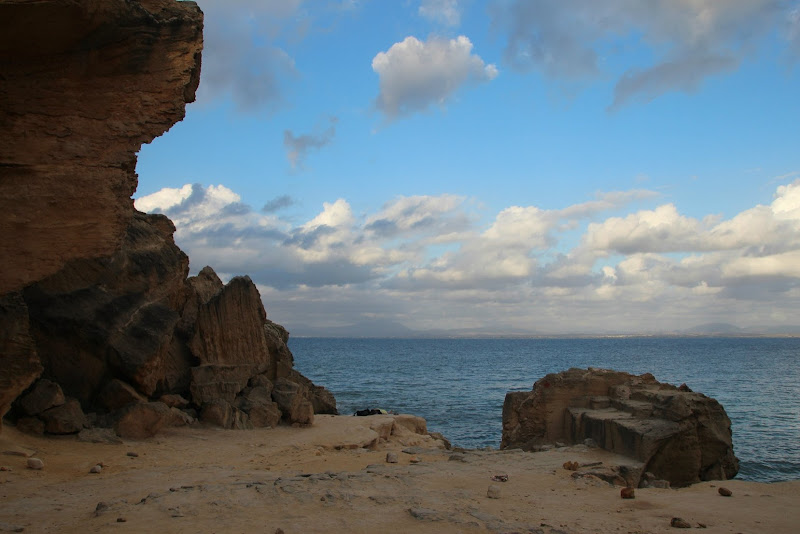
[
  {"x": 677, "y": 435},
  {"x": 94, "y": 296}
]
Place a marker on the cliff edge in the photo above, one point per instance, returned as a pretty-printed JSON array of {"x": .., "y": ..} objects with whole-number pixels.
[{"x": 95, "y": 296}]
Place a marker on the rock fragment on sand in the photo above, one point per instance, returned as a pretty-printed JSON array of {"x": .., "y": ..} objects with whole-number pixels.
[
  {"x": 132, "y": 454},
  {"x": 677, "y": 522},
  {"x": 101, "y": 508},
  {"x": 35, "y": 463},
  {"x": 424, "y": 514},
  {"x": 725, "y": 492},
  {"x": 391, "y": 457},
  {"x": 415, "y": 460},
  {"x": 96, "y": 468},
  {"x": 627, "y": 493},
  {"x": 571, "y": 466},
  {"x": 493, "y": 492},
  {"x": 121, "y": 520}
]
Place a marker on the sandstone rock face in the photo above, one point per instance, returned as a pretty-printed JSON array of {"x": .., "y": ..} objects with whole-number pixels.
[
  {"x": 84, "y": 84},
  {"x": 101, "y": 305},
  {"x": 678, "y": 435},
  {"x": 19, "y": 361}
]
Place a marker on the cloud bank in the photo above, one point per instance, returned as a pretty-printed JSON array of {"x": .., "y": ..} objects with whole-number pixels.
[
  {"x": 415, "y": 75},
  {"x": 429, "y": 261},
  {"x": 688, "y": 41}
]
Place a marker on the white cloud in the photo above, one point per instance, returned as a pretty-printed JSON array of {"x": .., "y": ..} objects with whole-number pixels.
[
  {"x": 653, "y": 269},
  {"x": 415, "y": 75},
  {"x": 443, "y": 11},
  {"x": 689, "y": 40}
]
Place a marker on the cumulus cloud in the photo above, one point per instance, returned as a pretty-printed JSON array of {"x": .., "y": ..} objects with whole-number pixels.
[
  {"x": 446, "y": 12},
  {"x": 298, "y": 146},
  {"x": 277, "y": 204},
  {"x": 415, "y": 75},
  {"x": 689, "y": 40},
  {"x": 429, "y": 261}
]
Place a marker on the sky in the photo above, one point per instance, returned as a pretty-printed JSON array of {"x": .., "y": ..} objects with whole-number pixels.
[{"x": 542, "y": 167}]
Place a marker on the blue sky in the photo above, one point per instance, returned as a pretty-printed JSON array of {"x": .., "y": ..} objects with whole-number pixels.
[{"x": 547, "y": 167}]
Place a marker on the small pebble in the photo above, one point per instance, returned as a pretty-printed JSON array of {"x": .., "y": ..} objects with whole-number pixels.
[
  {"x": 121, "y": 520},
  {"x": 4, "y": 468},
  {"x": 35, "y": 463},
  {"x": 627, "y": 493},
  {"x": 96, "y": 468},
  {"x": 415, "y": 460},
  {"x": 391, "y": 457},
  {"x": 493, "y": 492},
  {"x": 725, "y": 492},
  {"x": 133, "y": 454},
  {"x": 677, "y": 522}
]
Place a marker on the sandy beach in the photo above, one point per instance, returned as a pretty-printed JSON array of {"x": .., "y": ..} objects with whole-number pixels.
[{"x": 334, "y": 477}]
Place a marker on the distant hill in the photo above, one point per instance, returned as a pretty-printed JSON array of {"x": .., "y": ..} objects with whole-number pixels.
[{"x": 714, "y": 328}]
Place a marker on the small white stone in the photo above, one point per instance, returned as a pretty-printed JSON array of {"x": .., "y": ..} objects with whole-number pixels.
[
  {"x": 35, "y": 463},
  {"x": 96, "y": 469},
  {"x": 493, "y": 492}
]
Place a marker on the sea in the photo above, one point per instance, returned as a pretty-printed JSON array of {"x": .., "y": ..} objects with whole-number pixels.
[{"x": 458, "y": 385}]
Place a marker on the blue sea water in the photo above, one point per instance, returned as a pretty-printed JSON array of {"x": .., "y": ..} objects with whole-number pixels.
[{"x": 459, "y": 385}]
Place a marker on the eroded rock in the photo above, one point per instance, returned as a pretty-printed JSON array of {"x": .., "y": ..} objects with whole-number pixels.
[{"x": 678, "y": 435}]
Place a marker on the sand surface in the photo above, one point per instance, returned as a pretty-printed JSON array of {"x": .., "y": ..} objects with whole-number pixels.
[{"x": 323, "y": 479}]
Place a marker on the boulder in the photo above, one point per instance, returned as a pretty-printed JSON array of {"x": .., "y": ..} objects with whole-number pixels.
[
  {"x": 257, "y": 403},
  {"x": 65, "y": 419},
  {"x": 292, "y": 400},
  {"x": 142, "y": 420},
  {"x": 44, "y": 394},
  {"x": 222, "y": 413},
  {"x": 678, "y": 435}
]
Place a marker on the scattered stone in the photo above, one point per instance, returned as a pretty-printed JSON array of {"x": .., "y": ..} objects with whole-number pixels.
[
  {"x": 391, "y": 457},
  {"x": 725, "y": 492},
  {"x": 35, "y": 463},
  {"x": 627, "y": 493},
  {"x": 571, "y": 466},
  {"x": 500, "y": 478},
  {"x": 677, "y": 522},
  {"x": 5, "y": 527},
  {"x": 101, "y": 508},
  {"x": 132, "y": 454},
  {"x": 415, "y": 460},
  {"x": 424, "y": 514},
  {"x": 493, "y": 492},
  {"x": 589, "y": 442},
  {"x": 121, "y": 520},
  {"x": 702, "y": 525},
  {"x": 279, "y": 531},
  {"x": 96, "y": 468},
  {"x": 4, "y": 468}
]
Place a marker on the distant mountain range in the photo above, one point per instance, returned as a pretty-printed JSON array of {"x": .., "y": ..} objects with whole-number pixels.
[{"x": 382, "y": 328}]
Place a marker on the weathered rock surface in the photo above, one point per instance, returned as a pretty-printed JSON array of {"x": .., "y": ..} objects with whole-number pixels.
[
  {"x": 84, "y": 85},
  {"x": 103, "y": 306},
  {"x": 678, "y": 435},
  {"x": 19, "y": 361}
]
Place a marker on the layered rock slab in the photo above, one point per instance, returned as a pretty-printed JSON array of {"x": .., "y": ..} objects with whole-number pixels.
[
  {"x": 678, "y": 435},
  {"x": 83, "y": 85}
]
